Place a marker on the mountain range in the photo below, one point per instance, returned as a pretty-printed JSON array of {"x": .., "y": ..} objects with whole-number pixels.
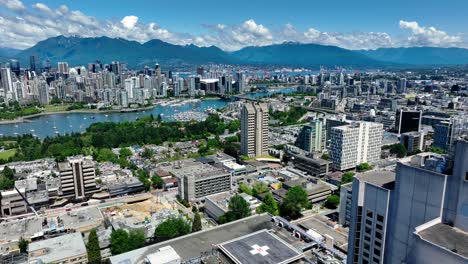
[{"x": 79, "y": 51}]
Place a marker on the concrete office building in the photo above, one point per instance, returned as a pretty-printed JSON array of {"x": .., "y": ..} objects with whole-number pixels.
[
  {"x": 447, "y": 132},
  {"x": 316, "y": 167},
  {"x": 369, "y": 213},
  {"x": 12, "y": 202},
  {"x": 312, "y": 137},
  {"x": 346, "y": 196},
  {"x": 420, "y": 217},
  {"x": 77, "y": 178},
  {"x": 68, "y": 248},
  {"x": 254, "y": 129},
  {"x": 200, "y": 180},
  {"x": 413, "y": 141},
  {"x": 353, "y": 144}
]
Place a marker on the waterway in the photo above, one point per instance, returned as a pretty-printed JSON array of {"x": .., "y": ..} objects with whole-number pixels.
[{"x": 63, "y": 123}]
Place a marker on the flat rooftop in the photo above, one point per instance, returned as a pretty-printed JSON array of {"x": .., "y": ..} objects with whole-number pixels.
[
  {"x": 193, "y": 245},
  {"x": 59, "y": 248},
  {"x": 380, "y": 178},
  {"x": 448, "y": 237},
  {"x": 260, "y": 247},
  {"x": 199, "y": 171}
]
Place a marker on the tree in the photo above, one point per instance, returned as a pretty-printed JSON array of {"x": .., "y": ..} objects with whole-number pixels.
[
  {"x": 398, "y": 149},
  {"x": 238, "y": 208},
  {"x": 94, "y": 251},
  {"x": 157, "y": 182},
  {"x": 119, "y": 242},
  {"x": 245, "y": 189},
  {"x": 259, "y": 188},
  {"x": 363, "y": 167},
  {"x": 332, "y": 201},
  {"x": 23, "y": 245},
  {"x": 172, "y": 227},
  {"x": 347, "y": 177},
  {"x": 106, "y": 154},
  {"x": 125, "y": 153},
  {"x": 325, "y": 156},
  {"x": 437, "y": 150},
  {"x": 269, "y": 205},
  {"x": 147, "y": 153},
  {"x": 136, "y": 239},
  {"x": 197, "y": 224},
  {"x": 296, "y": 199},
  {"x": 8, "y": 172}
]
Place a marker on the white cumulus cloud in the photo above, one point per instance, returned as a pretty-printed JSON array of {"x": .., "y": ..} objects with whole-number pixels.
[
  {"x": 23, "y": 26},
  {"x": 129, "y": 21},
  {"x": 429, "y": 36},
  {"x": 16, "y": 5}
]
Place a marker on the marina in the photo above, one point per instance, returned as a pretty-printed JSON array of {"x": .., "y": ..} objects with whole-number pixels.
[{"x": 65, "y": 123}]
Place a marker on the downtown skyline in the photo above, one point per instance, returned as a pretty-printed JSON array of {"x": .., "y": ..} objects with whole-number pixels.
[{"x": 24, "y": 23}]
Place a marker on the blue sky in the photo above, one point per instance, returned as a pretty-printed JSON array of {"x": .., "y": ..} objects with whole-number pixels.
[{"x": 358, "y": 24}]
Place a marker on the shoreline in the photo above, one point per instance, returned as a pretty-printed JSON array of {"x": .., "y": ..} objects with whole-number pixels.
[
  {"x": 23, "y": 119},
  {"x": 83, "y": 111}
]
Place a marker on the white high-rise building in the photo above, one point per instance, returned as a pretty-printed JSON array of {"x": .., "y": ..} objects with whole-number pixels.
[
  {"x": 254, "y": 129},
  {"x": 43, "y": 90},
  {"x": 63, "y": 67},
  {"x": 351, "y": 145},
  {"x": 191, "y": 86},
  {"x": 7, "y": 82}
]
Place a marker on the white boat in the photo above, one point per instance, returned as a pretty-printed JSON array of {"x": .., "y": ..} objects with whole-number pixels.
[{"x": 32, "y": 130}]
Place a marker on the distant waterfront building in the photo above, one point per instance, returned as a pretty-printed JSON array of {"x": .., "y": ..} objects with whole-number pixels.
[
  {"x": 63, "y": 68},
  {"x": 123, "y": 98},
  {"x": 312, "y": 137},
  {"x": 6, "y": 81},
  {"x": 353, "y": 144},
  {"x": 43, "y": 90},
  {"x": 15, "y": 67},
  {"x": 254, "y": 129},
  {"x": 77, "y": 178},
  {"x": 240, "y": 82},
  {"x": 32, "y": 63},
  {"x": 407, "y": 121}
]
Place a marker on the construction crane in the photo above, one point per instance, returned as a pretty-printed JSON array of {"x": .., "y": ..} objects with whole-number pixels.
[{"x": 26, "y": 200}]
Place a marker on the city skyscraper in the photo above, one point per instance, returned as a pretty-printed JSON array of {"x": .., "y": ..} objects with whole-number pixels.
[
  {"x": 254, "y": 129},
  {"x": 32, "y": 63},
  {"x": 351, "y": 145}
]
